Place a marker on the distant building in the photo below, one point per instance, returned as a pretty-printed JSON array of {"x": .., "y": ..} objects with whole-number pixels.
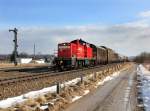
[
  {"x": 24, "y": 60},
  {"x": 30, "y": 60},
  {"x": 40, "y": 61}
]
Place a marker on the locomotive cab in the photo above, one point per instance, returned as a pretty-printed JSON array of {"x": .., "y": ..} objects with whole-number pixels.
[
  {"x": 66, "y": 56},
  {"x": 74, "y": 54}
]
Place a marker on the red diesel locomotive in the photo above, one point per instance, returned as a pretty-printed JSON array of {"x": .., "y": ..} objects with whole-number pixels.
[{"x": 78, "y": 53}]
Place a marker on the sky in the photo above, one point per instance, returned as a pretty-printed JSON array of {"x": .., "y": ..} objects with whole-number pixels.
[{"x": 123, "y": 25}]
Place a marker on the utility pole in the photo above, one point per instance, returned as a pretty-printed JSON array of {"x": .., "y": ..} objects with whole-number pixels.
[
  {"x": 15, "y": 44},
  {"x": 55, "y": 52},
  {"x": 34, "y": 51},
  {"x": 107, "y": 55}
]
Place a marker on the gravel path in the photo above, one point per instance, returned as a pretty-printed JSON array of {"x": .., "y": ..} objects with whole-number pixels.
[{"x": 118, "y": 94}]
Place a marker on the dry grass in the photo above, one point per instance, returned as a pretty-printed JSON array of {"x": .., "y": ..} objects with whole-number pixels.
[
  {"x": 41, "y": 99},
  {"x": 31, "y": 102}
]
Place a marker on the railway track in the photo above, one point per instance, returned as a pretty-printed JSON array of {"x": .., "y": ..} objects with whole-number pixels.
[
  {"x": 10, "y": 80},
  {"x": 7, "y": 77},
  {"x": 18, "y": 85}
]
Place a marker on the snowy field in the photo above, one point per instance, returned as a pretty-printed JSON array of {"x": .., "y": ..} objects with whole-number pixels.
[{"x": 145, "y": 88}]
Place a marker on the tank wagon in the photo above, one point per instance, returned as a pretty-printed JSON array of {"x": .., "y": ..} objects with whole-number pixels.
[{"x": 78, "y": 53}]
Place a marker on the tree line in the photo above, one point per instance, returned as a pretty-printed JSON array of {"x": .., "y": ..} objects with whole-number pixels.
[{"x": 142, "y": 58}]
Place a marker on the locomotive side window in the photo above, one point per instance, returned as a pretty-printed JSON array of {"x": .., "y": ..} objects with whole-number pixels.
[{"x": 64, "y": 47}]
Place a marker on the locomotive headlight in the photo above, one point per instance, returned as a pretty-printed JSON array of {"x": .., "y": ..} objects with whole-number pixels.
[{"x": 61, "y": 62}]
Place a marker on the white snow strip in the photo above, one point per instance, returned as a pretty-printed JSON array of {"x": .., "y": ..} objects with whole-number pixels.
[
  {"x": 86, "y": 92},
  {"x": 100, "y": 83},
  {"x": 108, "y": 78},
  {"x": 33, "y": 94},
  {"x": 44, "y": 107},
  {"x": 19, "y": 99},
  {"x": 145, "y": 78},
  {"x": 76, "y": 98},
  {"x": 11, "y": 101},
  {"x": 72, "y": 82}
]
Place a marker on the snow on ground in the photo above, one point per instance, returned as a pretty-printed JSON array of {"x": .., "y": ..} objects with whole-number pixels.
[
  {"x": 145, "y": 88},
  {"x": 86, "y": 92},
  {"x": 44, "y": 107},
  {"x": 11, "y": 101},
  {"x": 33, "y": 94},
  {"x": 71, "y": 82},
  {"x": 108, "y": 78},
  {"x": 76, "y": 98},
  {"x": 19, "y": 99}
]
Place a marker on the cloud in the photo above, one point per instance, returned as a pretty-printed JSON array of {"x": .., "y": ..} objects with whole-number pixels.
[
  {"x": 128, "y": 38},
  {"x": 6, "y": 39},
  {"x": 145, "y": 14}
]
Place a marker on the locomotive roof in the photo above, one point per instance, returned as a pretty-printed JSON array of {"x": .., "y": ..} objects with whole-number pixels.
[
  {"x": 104, "y": 47},
  {"x": 92, "y": 45},
  {"x": 80, "y": 41}
]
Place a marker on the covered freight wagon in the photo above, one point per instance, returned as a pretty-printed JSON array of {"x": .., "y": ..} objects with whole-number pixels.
[{"x": 100, "y": 54}]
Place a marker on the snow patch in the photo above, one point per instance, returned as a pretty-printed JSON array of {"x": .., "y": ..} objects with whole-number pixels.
[
  {"x": 71, "y": 82},
  {"x": 76, "y": 98},
  {"x": 44, "y": 107},
  {"x": 108, "y": 78},
  {"x": 33, "y": 94},
  {"x": 86, "y": 92},
  {"x": 145, "y": 88},
  {"x": 11, "y": 101}
]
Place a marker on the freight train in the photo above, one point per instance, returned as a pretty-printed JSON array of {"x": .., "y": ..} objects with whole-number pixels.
[{"x": 78, "y": 53}]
